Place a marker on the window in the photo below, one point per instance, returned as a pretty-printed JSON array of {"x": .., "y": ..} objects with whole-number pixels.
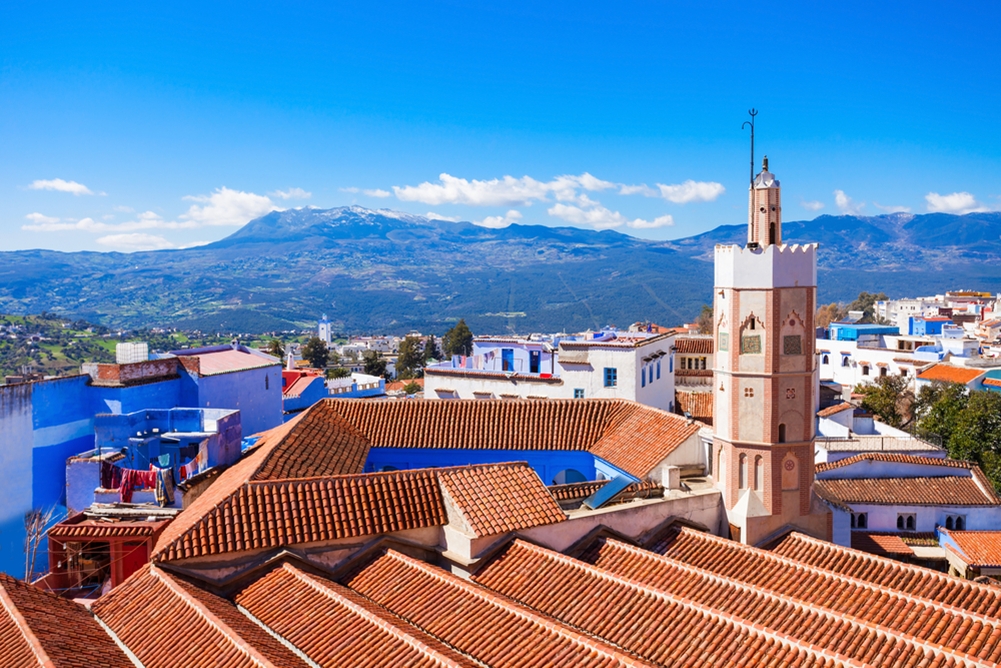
[
  {"x": 865, "y": 370},
  {"x": 742, "y": 483},
  {"x": 882, "y": 371},
  {"x": 792, "y": 345},
  {"x": 267, "y": 383},
  {"x": 906, "y": 521},
  {"x": 611, "y": 376},
  {"x": 578, "y": 393},
  {"x": 860, "y": 520},
  {"x": 825, "y": 359},
  {"x": 643, "y": 377},
  {"x": 658, "y": 369},
  {"x": 759, "y": 473},
  {"x": 844, "y": 360},
  {"x": 957, "y": 522},
  {"x": 748, "y": 391},
  {"x": 782, "y": 433}
]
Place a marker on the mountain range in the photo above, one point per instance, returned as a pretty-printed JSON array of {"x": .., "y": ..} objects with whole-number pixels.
[{"x": 385, "y": 271}]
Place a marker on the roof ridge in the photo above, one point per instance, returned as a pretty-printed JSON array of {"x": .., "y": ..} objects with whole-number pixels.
[
  {"x": 402, "y": 473},
  {"x": 357, "y": 609},
  {"x": 210, "y": 617},
  {"x": 751, "y": 628},
  {"x": 875, "y": 587},
  {"x": 897, "y": 458},
  {"x": 520, "y": 609},
  {"x": 30, "y": 639},
  {"x": 897, "y": 566},
  {"x": 803, "y": 605}
]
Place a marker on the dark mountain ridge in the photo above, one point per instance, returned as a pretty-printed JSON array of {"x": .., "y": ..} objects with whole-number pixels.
[{"x": 392, "y": 272}]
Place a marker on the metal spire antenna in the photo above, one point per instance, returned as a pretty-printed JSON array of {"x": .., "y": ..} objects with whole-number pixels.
[{"x": 753, "y": 112}]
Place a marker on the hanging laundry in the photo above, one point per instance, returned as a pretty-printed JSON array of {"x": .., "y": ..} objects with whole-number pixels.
[
  {"x": 164, "y": 461},
  {"x": 111, "y": 476},
  {"x": 164, "y": 489},
  {"x": 132, "y": 480}
]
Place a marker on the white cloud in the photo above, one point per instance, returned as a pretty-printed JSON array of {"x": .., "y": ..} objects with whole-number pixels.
[
  {"x": 508, "y": 191},
  {"x": 227, "y": 207},
  {"x": 812, "y": 206},
  {"x": 601, "y": 218},
  {"x": 891, "y": 208},
  {"x": 38, "y": 219},
  {"x": 136, "y": 241},
  {"x": 691, "y": 191},
  {"x": 959, "y": 203},
  {"x": 291, "y": 193},
  {"x": 352, "y": 189},
  {"x": 512, "y": 216},
  {"x": 846, "y": 205},
  {"x": 62, "y": 186},
  {"x": 437, "y": 216},
  {"x": 377, "y": 192}
]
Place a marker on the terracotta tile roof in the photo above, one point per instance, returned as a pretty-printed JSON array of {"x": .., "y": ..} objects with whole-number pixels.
[
  {"x": 842, "y": 562},
  {"x": 499, "y": 498},
  {"x": 834, "y": 410},
  {"x": 697, "y": 404},
  {"x": 260, "y": 515},
  {"x": 98, "y": 529},
  {"x": 335, "y": 626},
  {"x": 40, "y": 629},
  {"x": 638, "y": 437},
  {"x": 167, "y": 622},
  {"x": 884, "y": 544},
  {"x": 476, "y": 621},
  {"x": 690, "y": 345},
  {"x": 718, "y": 628},
  {"x": 217, "y": 362},
  {"x": 578, "y": 491},
  {"x": 978, "y": 548},
  {"x": 895, "y": 458},
  {"x": 915, "y": 602},
  {"x": 951, "y": 374},
  {"x": 807, "y": 622},
  {"x": 992, "y": 382},
  {"x": 398, "y": 385},
  {"x": 950, "y": 490}
]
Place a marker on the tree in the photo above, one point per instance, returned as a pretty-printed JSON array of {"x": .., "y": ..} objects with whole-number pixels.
[
  {"x": 410, "y": 358},
  {"x": 412, "y": 388},
  {"x": 276, "y": 349},
  {"x": 338, "y": 372},
  {"x": 866, "y": 303},
  {"x": 374, "y": 364},
  {"x": 937, "y": 409},
  {"x": 315, "y": 352},
  {"x": 832, "y": 312},
  {"x": 889, "y": 398},
  {"x": 978, "y": 434},
  {"x": 458, "y": 340},
  {"x": 431, "y": 350},
  {"x": 705, "y": 320}
]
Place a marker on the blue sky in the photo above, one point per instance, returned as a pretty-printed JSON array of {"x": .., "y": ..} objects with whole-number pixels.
[{"x": 125, "y": 127}]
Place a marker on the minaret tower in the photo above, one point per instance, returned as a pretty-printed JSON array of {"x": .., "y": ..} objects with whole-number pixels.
[{"x": 765, "y": 379}]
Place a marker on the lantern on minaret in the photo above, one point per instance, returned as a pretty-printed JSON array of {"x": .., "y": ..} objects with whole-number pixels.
[
  {"x": 765, "y": 376},
  {"x": 764, "y": 218}
]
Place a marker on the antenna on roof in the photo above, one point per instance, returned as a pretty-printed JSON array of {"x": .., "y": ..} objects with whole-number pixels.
[{"x": 753, "y": 112}]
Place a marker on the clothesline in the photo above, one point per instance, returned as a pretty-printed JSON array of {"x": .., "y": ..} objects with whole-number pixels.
[{"x": 161, "y": 480}]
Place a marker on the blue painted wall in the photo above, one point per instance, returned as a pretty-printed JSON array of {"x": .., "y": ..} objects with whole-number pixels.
[
  {"x": 547, "y": 463},
  {"x": 256, "y": 393}
]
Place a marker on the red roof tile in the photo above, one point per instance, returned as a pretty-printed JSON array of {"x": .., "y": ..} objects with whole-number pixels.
[
  {"x": 885, "y": 544},
  {"x": 225, "y": 361},
  {"x": 697, "y": 404},
  {"x": 689, "y": 345},
  {"x": 917, "y": 602},
  {"x": 76, "y": 528},
  {"x": 834, "y": 410},
  {"x": 949, "y": 490},
  {"x": 476, "y": 621},
  {"x": 992, "y": 382},
  {"x": 40, "y": 629},
  {"x": 499, "y": 498},
  {"x": 906, "y": 578},
  {"x": 335, "y": 626},
  {"x": 894, "y": 458},
  {"x": 720, "y": 620},
  {"x": 809, "y": 621},
  {"x": 167, "y": 622},
  {"x": 637, "y": 438},
  {"x": 978, "y": 548},
  {"x": 951, "y": 374}
]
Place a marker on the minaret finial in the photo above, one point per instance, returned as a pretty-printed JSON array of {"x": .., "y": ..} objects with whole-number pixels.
[
  {"x": 764, "y": 164},
  {"x": 753, "y": 112}
]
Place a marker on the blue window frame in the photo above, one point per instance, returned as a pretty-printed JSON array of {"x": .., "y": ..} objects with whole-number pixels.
[
  {"x": 658, "y": 369},
  {"x": 643, "y": 377},
  {"x": 611, "y": 376},
  {"x": 670, "y": 366},
  {"x": 578, "y": 393}
]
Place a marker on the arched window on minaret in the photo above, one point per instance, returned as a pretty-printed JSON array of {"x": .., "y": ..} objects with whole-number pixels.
[
  {"x": 759, "y": 472},
  {"x": 742, "y": 483}
]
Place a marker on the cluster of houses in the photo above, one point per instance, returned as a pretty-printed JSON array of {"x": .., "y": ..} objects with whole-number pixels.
[{"x": 229, "y": 503}]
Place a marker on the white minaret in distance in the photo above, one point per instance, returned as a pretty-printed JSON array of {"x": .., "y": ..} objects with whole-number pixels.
[
  {"x": 323, "y": 330},
  {"x": 765, "y": 380}
]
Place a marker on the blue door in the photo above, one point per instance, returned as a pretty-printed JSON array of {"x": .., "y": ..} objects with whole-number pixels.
[
  {"x": 533, "y": 361},
  {"x": 507, "y": 359}
]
